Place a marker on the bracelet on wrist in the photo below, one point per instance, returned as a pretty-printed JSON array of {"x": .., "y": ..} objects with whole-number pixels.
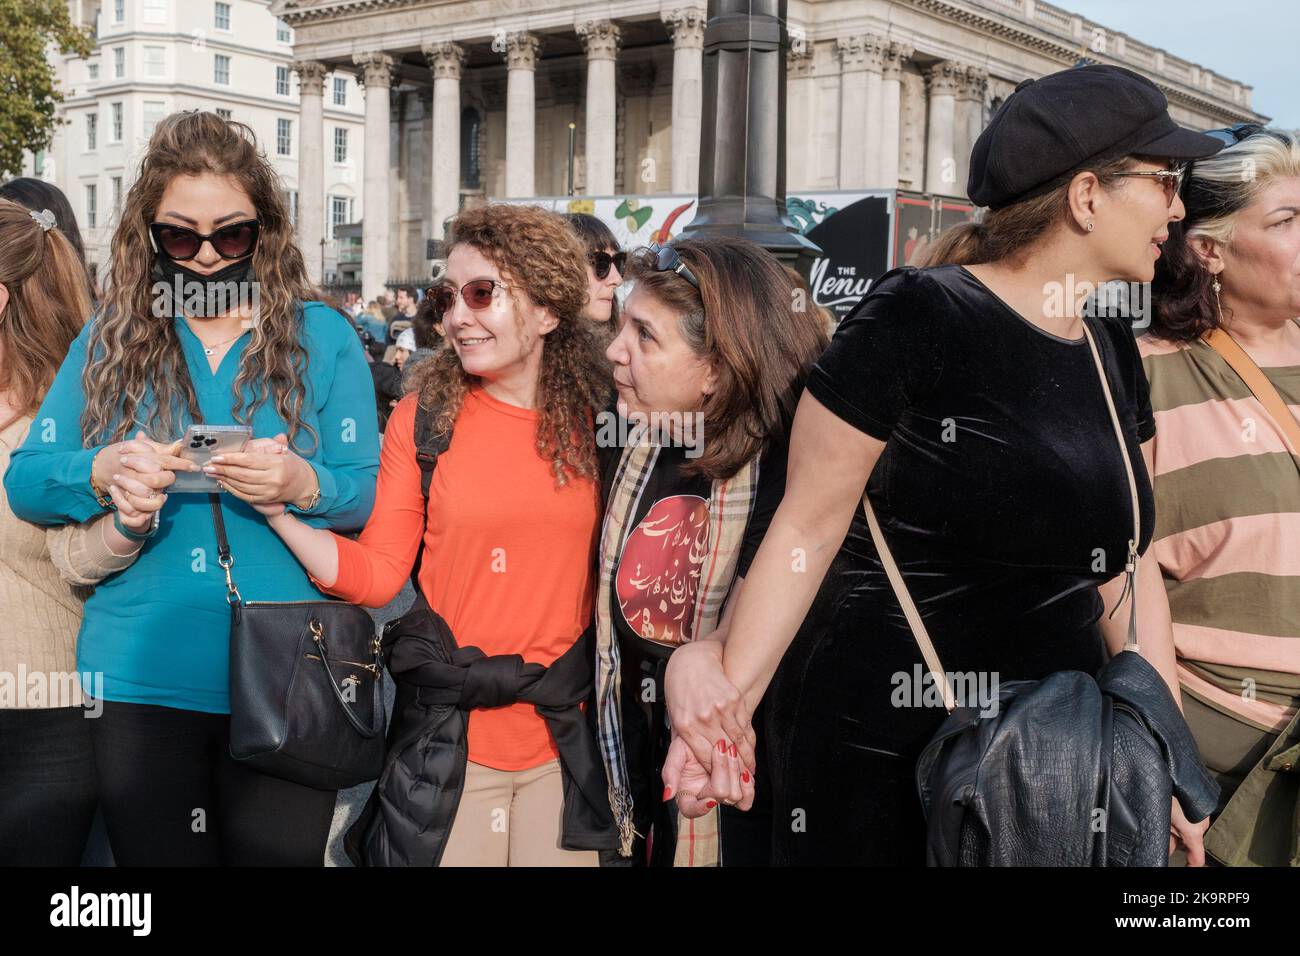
[{"x": 100, "y": 494}]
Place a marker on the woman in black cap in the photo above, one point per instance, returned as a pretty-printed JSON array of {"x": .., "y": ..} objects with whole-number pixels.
[
  {"x": 1001, "y": 489},
  {"x": 1226, "y": 297}
]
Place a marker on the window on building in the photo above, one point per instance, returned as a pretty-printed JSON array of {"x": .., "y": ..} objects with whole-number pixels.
[
  {"x": 282, "y": 81},
  {"x": 115, "y": 114},
  {"x": 291, "y": 196},
  {"x": 154, "y": 111},
  {"x": 117, "y": 193},
  {"x": 92, "y": 211},
  {"x": 340, "y": 91},
  {"x": 92, "y": 130},
  {"x": 340, "y": 145},
  {"x": 223, "y": 113},
  {"x": 283, "y": 137},
  {"x": 155, "y": 11},
  {"x": 221, "y": 69},
  {"x": 340, "y": 211},
  {"x": 119, "y": 11},
  {"x": 155, "y": 61},
  {"x": 282, "y": 34},
  {"x": 221, "y": 16},
  {"x": 92, "y": 71},
  {"x": 119, "y": 62}
]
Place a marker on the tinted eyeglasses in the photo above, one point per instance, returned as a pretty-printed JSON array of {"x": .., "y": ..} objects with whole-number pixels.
[
  {"x": 1171, "y": 180},
  {"x": 667, "y": 260},
  {"x": 234, "y": 241},
  {"x": 477, "y": 293},
  {"x": 601, "y": 261}
]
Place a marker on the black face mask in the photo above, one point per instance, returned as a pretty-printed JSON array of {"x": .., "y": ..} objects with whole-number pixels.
[{"x": 178, "y": 289}]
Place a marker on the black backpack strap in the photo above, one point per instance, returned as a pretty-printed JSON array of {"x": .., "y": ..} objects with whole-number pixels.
[{"x": 429, "y": 444}]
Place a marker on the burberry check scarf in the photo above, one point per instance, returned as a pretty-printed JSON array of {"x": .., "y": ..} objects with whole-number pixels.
[{"x": 731, "y": 502}]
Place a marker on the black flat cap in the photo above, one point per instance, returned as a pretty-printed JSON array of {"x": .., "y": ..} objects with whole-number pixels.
[{"x": 1089, "y": 114}]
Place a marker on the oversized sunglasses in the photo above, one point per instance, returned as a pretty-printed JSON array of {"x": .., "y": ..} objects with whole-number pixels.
[
  {"x": 667, "y": 260},
  {"x": 1171, "y": 180},
  {"x": 601, "y": 261},
  {"x": 234, "y": 241},
  {"x": 477, "y": 295}
]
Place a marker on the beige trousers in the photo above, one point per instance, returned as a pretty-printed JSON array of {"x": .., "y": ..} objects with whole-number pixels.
[{"x": 511, "y": 818}]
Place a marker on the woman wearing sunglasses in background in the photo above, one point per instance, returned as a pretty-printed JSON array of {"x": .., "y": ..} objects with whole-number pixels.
[
  {"x": 505, "y": 540},
  {"x": 205, "y": 211},
  {"x": 975, "y": 416},
  {"x": 710, "y": 345},
  {"x": 606, "y": 266},
  {"x": 1227, "y": 287}
]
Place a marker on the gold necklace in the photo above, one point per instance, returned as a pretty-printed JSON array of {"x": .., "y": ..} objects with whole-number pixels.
[{"x": 211, "y": 349}]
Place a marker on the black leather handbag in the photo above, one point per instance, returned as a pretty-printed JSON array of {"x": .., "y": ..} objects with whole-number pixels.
[{"x": 306, "y": 701}]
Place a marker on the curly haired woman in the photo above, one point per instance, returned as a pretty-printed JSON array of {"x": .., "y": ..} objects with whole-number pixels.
[
  {"x": 206, "y": 210},
  {"x": 506, "y": 539}
]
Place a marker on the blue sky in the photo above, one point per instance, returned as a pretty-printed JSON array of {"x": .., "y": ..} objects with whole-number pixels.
[{"x": 1254, "y": 41}]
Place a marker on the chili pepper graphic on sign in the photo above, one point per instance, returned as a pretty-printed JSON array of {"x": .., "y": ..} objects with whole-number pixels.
[{"x": 664, "y": 232}]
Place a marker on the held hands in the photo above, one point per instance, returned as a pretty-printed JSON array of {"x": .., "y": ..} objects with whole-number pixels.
[
  {"x": 711, "y": 758},
  {"x": 266, "y": 474},
  {"x": 135, "y": 472},
  {"x": 704, "y": 706}
]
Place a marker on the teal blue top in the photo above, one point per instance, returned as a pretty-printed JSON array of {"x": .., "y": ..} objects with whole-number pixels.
[{"x": 158, "y": 631}]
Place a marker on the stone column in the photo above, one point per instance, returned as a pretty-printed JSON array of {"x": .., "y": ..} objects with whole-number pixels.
[
  {"x": 521, "y": 63},
  {"x": 940, "y": 143},
  {"x": 376, "y": 70},
  {"x": 601, "y": 39},
  {"x": 894, "y": 56},
  {"x": 311, "y": 165},
  {"x": 799, "y": 99},
  {"x": 972, "y": 83},
  {"x": 445, "y": 62},
  {"x": 687, "y": 29},
  {"x": 860, "y": 95}
]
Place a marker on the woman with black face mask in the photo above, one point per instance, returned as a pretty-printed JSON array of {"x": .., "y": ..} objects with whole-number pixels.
[{"x": 207, "y": 317}]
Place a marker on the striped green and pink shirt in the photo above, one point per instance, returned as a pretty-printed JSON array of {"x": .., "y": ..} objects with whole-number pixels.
[{"x": 1227, "y": 536}]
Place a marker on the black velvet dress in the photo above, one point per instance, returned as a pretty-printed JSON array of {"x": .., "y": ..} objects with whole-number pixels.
[{"x": 1004, "y": 499}]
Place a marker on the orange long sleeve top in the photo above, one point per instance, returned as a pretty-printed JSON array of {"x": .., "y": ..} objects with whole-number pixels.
[{"x": 508, "y": 556}]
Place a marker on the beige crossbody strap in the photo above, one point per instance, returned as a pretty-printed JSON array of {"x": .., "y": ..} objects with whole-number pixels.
[
  {"x": 1257, "y": 382},
  {"x": 913, "y": 615}
]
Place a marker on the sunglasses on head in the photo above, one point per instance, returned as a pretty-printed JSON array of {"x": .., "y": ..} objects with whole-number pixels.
[
  {"x": 234, "y": 241},
  {"x": 1233, "y": 135},
  {"x": 601, "y": 261},
  {"x": 666, "y": 259},
  {"x": 477, "y": 293}
]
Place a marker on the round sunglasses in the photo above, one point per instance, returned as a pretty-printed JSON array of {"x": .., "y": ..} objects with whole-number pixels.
[
  {"x": 234, "y": 241},
  {"x": 601, "y": 261},
  {"x": 477, "y": 295}
]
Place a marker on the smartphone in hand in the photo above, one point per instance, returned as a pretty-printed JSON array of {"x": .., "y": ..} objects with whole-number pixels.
[{"x": 200, "y": 443}]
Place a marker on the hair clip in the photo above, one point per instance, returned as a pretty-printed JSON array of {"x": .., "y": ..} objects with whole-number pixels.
[{"x": 44, "y": 218}]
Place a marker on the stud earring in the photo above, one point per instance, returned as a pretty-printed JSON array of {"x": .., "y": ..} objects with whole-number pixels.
[{"x": 1090, "y": 225}]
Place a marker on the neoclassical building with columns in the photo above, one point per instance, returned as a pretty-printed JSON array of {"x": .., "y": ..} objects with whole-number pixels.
[{"x": 485, "y": 99}]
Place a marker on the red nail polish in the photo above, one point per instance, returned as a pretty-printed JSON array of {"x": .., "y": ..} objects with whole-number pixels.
[
  {"x": 711, "y": 804},
  {"x": 722, "y": 747},
  {"x": 733, "y": 750},
  {"x": 668, "y": 792},
  {"x": 745, "y": 776}
]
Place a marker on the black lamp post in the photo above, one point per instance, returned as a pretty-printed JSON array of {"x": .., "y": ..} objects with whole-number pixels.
[{"x": 742, "y": 135}]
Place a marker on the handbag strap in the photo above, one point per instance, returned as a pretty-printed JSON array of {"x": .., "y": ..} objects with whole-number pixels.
[
  {"x": 1263, "y": 390},
  {"x": 224, "y": 557},
  {"x": 913, "y": 615}
]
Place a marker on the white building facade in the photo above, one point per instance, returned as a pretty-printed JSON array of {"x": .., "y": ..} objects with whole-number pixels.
[
  {"x": 234, "y": 57},
  {"x": 487, "y": 98}
]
